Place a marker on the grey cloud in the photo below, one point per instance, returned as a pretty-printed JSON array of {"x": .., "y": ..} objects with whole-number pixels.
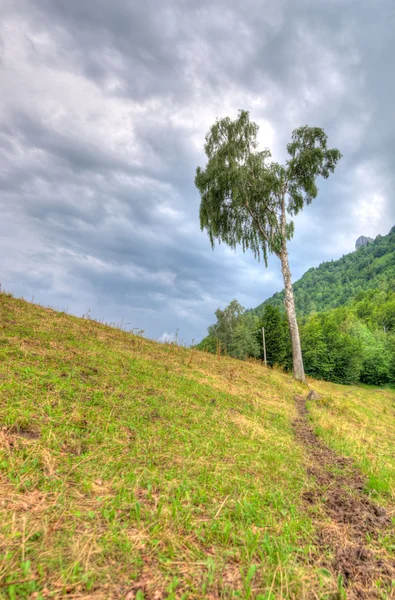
[
  {"x": 78, "y": 153},
  {"x": 102, "y": 125}
]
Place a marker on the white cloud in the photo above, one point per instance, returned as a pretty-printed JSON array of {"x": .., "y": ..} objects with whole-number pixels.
[{"x": 167, "y": 338}]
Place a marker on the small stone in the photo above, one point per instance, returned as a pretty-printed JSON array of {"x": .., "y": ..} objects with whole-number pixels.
[{"x": 313, "y": 395}]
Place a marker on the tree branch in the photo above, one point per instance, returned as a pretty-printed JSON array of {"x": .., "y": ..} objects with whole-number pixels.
[{"x": 257, "y": 221}]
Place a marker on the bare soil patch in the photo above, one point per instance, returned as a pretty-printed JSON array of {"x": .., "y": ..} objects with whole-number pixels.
[{"x": 346, "y": 518}]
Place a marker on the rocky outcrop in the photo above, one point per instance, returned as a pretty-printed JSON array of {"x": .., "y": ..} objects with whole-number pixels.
[{"x": 362, "y": 241}]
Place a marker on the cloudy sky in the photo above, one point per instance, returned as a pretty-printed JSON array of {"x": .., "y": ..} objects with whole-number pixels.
[{"x": 104, "y": 105}]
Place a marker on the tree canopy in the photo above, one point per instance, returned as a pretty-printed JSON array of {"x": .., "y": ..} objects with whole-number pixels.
[{"x": 245, "y": 194}]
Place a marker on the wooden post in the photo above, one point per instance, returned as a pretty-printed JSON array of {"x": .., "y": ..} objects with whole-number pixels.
[{"x": 264, "y": 346}]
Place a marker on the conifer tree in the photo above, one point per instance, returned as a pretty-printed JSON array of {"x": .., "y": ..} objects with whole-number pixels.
[{"x": 277, "y": 340}]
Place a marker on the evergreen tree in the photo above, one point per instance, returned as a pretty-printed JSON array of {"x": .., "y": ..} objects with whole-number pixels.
[
  {"x": 318, "y": 361},
  {"x": 277, "y": 339}
]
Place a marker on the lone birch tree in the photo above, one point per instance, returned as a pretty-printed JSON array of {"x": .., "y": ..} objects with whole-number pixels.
[{"x": 248, "y": 199}]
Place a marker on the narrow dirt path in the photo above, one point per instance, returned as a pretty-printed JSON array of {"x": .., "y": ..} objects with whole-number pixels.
[{"x": 345, "y": 517}]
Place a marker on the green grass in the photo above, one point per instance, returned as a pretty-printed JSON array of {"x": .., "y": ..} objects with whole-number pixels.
[
  {"x": 131, "y": 465},
  {"x": 360, "y": 422}
]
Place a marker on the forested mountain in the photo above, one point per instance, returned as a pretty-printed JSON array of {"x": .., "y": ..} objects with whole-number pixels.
[{"x": 335, "y": 283}]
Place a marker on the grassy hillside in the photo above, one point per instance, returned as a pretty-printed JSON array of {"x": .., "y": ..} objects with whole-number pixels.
[
  {"x": 130, "y": 469},
  {"x": 336, "y": 282}
]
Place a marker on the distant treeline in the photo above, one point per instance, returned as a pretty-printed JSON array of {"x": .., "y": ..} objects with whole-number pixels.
[
  {"x": 345, "y": 345},
  {"x": 346, "y": 314}
]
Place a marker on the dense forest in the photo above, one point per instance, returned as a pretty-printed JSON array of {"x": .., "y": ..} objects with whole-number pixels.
[
  {"x": 346, "y": 311},
  {"x": 336, "y": 282}
]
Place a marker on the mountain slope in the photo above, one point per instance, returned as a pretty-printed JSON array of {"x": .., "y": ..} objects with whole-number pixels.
[
  {"x": 334, "y": 283},
  {"x": 131, "y": 469}
]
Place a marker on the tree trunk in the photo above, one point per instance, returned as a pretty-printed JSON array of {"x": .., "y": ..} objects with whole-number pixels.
[{"x": 291, "y": 314}]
